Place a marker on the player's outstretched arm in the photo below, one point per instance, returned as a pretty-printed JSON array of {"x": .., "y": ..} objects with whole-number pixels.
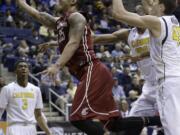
[
  {"x": 44, "y": 46},
  {"x": 41, "y": 121},
  {"x": 42, "y": 17},
  {"x": 100, "y": 39},
  {"x": 119, "y": 35},
  {"x": 147, "y": 21},
  {"x": 135, "y": 58}
]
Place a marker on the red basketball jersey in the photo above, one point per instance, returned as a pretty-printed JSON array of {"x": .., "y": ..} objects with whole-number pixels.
[{"x": 84, "y": 54}]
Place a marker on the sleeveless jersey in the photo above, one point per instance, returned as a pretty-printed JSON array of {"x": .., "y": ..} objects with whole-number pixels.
[
  {"x": 84, "y": 54},
  {"x": 20, "y": 102},
  {"x": 166, "y": 56}
]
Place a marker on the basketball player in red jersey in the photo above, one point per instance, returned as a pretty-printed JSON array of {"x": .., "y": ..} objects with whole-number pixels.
[{"x": 93, "y": 98}]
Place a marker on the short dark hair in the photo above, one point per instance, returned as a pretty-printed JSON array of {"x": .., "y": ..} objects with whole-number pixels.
[
  {"x": 20, "y": 61},
  {"x": 170, "y": 6}
]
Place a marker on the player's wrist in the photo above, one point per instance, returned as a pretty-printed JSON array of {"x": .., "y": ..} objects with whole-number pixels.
[{"x": 57, "y": 65}]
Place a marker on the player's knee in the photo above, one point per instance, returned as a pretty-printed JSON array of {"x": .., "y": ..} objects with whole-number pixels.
[{"x": 113, "y": 126}]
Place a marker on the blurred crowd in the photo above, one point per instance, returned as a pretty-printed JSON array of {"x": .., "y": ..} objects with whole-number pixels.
[{"x": 20, "y": 36}]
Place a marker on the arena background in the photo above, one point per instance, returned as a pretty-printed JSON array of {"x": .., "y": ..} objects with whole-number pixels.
[{"x": 20, "y": 36}]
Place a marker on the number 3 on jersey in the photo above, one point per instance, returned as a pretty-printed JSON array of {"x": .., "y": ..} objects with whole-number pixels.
[{"x": 25, "y": 103}]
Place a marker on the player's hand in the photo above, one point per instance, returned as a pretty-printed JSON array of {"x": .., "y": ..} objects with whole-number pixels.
[
  {"x": 43, "y": 47},
  {"x": 51, "y": 71}
]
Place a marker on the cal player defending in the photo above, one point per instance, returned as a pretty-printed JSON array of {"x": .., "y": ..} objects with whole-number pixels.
[
  {"x": 165, "y": 53},
  {"x": 138, "y": 39},
  {"x": 23, "y": 104}
]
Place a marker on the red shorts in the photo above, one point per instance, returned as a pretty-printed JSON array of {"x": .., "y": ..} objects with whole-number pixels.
[{"x": 93, "y": 98}]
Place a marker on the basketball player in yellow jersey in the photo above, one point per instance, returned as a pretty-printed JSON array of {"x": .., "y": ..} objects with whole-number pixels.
[
  {"x": 23, "y": 104},
  {"x": 165, "y": 54}
]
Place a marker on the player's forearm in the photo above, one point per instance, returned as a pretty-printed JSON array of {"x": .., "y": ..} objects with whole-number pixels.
[
  {"x": 118, "y": 9},
  {"x": 122, "y": 15},
  {"x": 28, "y": 9},
  {"x": 120, "y": 35},
  {"x": 42, "y": 17},
  {"x": 140, "y": 57},
  {"x": 104, "y": 39},
  {"x": 67, "y": 54},
  {"x": 52, "y": 43},
  {"x": 43, "y": 125}
]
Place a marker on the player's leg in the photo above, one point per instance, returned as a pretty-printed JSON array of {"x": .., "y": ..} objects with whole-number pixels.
[
  {"x": 129, "y": 123},
  {"x": 89, "y": 127},
  {"x": 168, "y": 105},
  {"x": 94, "y": 100},
  {"x": 136, "y": 131},
  {"x": 144, "y": 106}
]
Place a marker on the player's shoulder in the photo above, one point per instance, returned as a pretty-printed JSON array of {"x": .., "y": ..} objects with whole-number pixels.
[
  {"x": 32, "y": 86},
  {"x": 170, "y": 19},
  {"x": 9, "y": 85},
  {"x": 77, "y": 16}
]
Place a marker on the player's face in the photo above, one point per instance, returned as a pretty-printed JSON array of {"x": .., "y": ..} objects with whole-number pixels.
[
  {"x": 153, "y": 9},
  {"x": 22, "y": 69},
  {"x": 156, "y": 8}
]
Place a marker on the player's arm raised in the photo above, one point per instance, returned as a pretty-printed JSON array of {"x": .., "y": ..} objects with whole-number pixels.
[
  {"x": 42, "y": 17},
  {"x": 147, "y": 21},
  {"x": 120, "y": 35}
]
